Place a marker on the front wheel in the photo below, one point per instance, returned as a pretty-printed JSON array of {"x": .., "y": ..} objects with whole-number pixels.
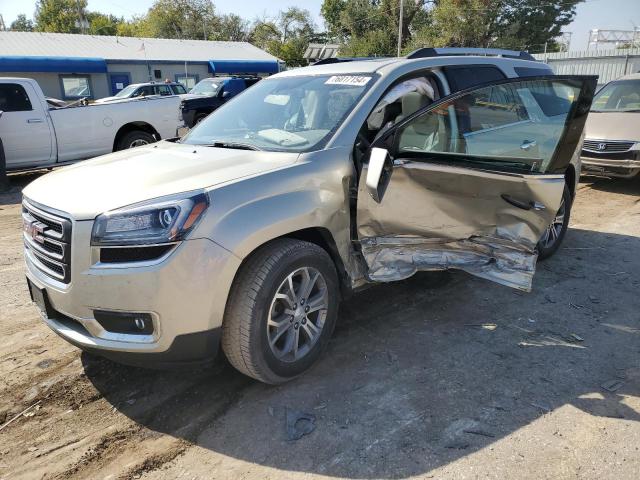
[
  {"x": 554, "y": 234},
  {"x": 137, "y": 138},
  {"x": 281, "y": 310}
]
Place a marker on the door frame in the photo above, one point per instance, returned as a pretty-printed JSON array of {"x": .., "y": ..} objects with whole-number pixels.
[
  {"x": 568, "y": 135},
  {"x": 118, "y": 73},
  {"x": 395, "y": 246}
]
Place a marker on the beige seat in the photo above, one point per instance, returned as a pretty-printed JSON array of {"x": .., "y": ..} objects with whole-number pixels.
[
  {"x": 411, "y": 103},
  {"x": 422, "y": 133}
]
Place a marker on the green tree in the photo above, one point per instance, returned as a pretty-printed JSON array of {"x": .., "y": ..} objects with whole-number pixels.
[
  {"x": 61, "y": 16},
  {"x": 101, "y": 24},
  {"x": 21, "y": 24},
  {"x": 286, "y": 37},
  {"x": 136, "y": 27},
  {"x": 370, "y": 27},
  {"x": 264, "y": 32},
  {"x": 515, "y": 24},
  {"x": 194, "y": 19},
  {"x": 232, "y": 27}
]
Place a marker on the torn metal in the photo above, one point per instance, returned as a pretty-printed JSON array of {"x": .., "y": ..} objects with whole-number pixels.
[
  {"x": 396, "y": 258},
  {"x": 439, "y": 217}
]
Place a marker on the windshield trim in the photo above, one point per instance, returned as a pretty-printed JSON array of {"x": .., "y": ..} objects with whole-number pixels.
[{"x": 320, "y": 145}]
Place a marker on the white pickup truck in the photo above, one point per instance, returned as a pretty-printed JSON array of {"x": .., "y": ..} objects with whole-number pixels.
[{"x": 37, "y": 134}]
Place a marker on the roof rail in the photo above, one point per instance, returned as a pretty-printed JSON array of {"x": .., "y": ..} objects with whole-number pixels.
[
  {"x": 328, "y": 61},
  {"x": 449, "y": 51}
]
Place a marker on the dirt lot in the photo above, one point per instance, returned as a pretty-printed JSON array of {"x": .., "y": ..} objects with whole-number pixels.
[{"x": 439, "y": 376}]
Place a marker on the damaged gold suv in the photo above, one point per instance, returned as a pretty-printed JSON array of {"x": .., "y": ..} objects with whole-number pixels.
[{"x": 313, "y": 183}]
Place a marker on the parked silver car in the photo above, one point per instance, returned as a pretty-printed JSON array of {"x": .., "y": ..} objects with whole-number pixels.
[
  {"x": 311, "y": 184},
  {"x": 612, "y": 139}
]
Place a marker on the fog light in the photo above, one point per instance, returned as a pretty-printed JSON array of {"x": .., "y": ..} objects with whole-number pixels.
[{"x": 124, "y": 322}]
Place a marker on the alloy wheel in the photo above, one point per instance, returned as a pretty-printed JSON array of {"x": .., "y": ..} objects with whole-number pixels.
[
  {"x": 138, "y": 143},
  {"x": 553, "y": 231},
  {"x": 297, "y": 314}
]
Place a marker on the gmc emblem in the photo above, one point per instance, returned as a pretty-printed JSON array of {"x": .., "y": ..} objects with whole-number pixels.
[{"x": 34, "y": 230}]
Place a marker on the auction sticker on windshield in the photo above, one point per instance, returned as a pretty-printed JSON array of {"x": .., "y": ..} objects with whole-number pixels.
[{"x": 355, "y": 80}]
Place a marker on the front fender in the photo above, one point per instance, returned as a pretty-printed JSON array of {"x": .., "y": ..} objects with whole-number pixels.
[{"x": 314, "y": 192}]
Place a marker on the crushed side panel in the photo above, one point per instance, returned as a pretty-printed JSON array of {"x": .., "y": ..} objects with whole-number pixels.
[{"x": 397, "y": 258}]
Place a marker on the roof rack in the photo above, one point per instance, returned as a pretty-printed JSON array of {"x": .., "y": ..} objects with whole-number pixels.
[
  {"x": 487, "y": 52},
  {"x": 328, "y": 61}
]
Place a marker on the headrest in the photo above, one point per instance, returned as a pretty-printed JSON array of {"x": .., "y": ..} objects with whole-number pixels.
[{"x": 412, "y": 102}]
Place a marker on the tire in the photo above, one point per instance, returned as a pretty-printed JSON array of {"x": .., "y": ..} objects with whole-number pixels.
[
  {"x": 136, "y": 138},
  {"x": 554, "y": 235},
  {"x": 248, "y": 331}
]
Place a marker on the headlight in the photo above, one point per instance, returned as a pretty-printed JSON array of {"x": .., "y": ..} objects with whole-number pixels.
[{"x": 161, "y": 220}]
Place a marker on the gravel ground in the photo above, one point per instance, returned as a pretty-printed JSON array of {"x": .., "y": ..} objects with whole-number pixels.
[{"x": 439, "y": 376}]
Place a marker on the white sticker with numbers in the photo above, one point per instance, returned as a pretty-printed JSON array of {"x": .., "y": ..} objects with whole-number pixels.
[{"x": 353, "y": 80}]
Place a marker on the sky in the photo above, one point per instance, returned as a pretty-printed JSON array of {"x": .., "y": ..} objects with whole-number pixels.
[{"x": 603, "y": 14}]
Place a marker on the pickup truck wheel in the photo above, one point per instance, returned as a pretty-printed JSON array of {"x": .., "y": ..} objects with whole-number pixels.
[
  {"x": 137, "y": 138},
  {"x": 554, "y": 234},
  {"x": 281, "y": 311}
]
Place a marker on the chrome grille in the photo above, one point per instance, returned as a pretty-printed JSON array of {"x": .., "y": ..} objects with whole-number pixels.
[
  {"x": 607, "y": 146},
  {"x": 47, "y": 240}
]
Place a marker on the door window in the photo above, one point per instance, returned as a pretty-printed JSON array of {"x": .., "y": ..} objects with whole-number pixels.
[
  {"x": 513, "y": 125},
  {"x": 163, "y": 90},
  {"x": 188, "y": 82},
  {"x": 233, "y": 86},
  {"x": 178, "y": 89},
  {"x": 13, "y": 98},
  {"x": 144, "y": 91}
]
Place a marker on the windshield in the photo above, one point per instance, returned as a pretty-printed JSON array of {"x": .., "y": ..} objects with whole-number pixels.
[
  {"x": 620, "y": 96},
  {"x": 293, "y": 114},
  {"x": 206, "y": 87},
  {"x": 126, "y": 91}
]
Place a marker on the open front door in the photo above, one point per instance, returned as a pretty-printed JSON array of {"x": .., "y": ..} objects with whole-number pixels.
[{"x": 473, "y": 181}]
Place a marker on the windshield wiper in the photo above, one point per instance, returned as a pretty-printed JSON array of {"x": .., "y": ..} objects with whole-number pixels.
[{"x": 236, "y": 145}]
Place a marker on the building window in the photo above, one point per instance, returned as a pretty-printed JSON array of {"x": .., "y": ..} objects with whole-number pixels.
[
  {"x": 157, "y": 74},
  {"x": 188, "y": 82},
  {"x": 13, "y": 98},
  {"x": 76, "y": 86}
]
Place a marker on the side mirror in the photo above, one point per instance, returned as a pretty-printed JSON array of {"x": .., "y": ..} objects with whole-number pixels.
[
  {"x": 226, "y": 93},
  {"x": 378, "y": 173}
]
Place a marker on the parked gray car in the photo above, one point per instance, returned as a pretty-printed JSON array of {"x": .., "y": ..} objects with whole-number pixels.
[
  {"x": 309, "y": 186},
  {"x": 612, "y": 140}
]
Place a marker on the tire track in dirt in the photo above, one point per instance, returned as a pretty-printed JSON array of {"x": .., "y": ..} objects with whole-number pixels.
[{"x": 161, "y": 433}]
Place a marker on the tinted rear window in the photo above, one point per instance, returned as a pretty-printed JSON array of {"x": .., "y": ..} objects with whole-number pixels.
[
  {"x": 461, "y": 77},
  {"x": 13, "y": 98}
]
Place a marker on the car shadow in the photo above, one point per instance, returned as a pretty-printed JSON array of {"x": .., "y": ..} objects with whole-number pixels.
[
  {"x": 630, "y": 186},
  {"x": 421, "y": 372},
  {"x": 16, "y": 182}
]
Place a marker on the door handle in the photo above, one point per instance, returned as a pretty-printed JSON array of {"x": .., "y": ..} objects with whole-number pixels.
[
  {"x": 35, "y": 120},
  {"x": 530, "y": 205},
  {"x": 528, "y": 144}
]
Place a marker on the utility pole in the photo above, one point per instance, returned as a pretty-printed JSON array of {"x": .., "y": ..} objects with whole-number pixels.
[{"x": 400, "y": 27}]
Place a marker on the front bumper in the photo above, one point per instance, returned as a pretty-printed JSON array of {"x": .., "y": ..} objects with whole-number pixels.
[
  {"x": 625, "y": 165},
  {"x": 184, "y": 292}
]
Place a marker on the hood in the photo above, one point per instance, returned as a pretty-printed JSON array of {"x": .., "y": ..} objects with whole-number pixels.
[
  {"x": 205, "y": 99},
  {"x": 89, "y": 188},
  {"x": 613, "y": 126}
]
